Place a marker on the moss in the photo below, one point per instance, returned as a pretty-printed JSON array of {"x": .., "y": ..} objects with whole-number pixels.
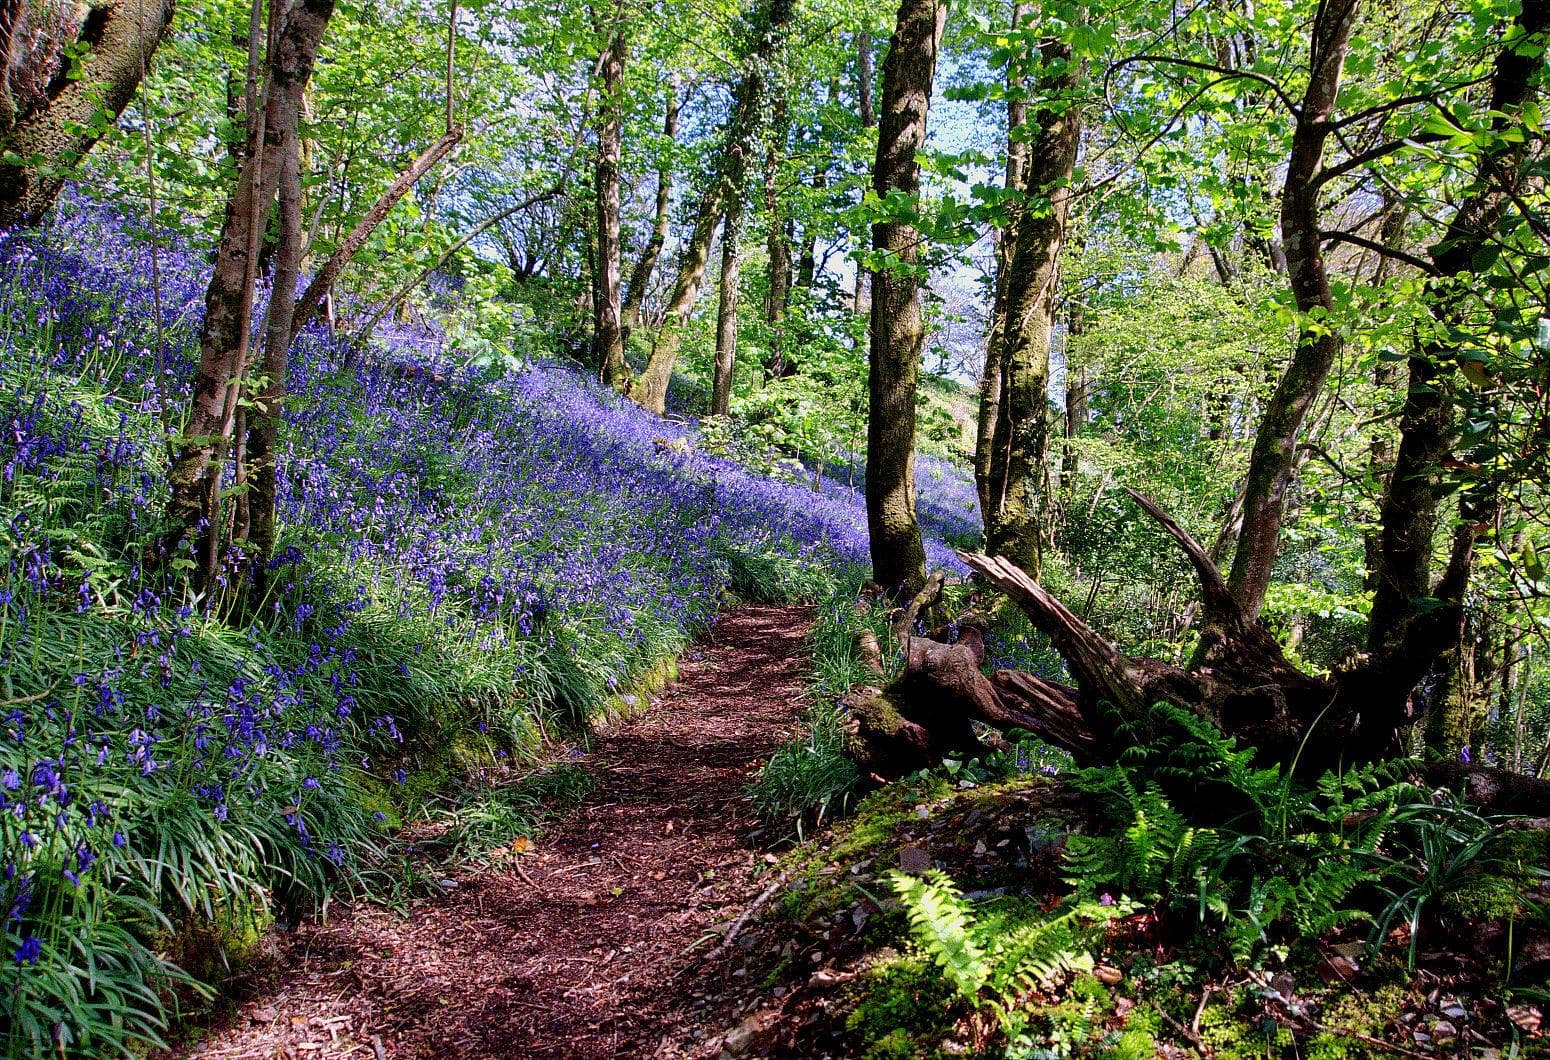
[
  {"x": 1366, "y": 1012},
  {"x": 1133, "y": 1043},
  {"x": 635, "y": 697},
  {"x": 211, "y": 948},
  {"x": 872, "y": 834},
  {"x": 1486, "y": 896},
  {"x": 902, "y": 1008},
  {"x": 875, "y": 714}
]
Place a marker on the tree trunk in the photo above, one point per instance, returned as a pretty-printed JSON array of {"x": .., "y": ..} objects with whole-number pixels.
[
  {"x": 195, "y": 476},
  {"x": 1019, "y": 477},
  {"x": 51, "y": 139},
  {"x": 1272, "y": 461},
  {"x": 267, "y": 414},
  {"x": 1014, "y": 184},
  {"x": 1411, "y": 617},
  {"x": 1076, "y": 408},
  {"x": 650, "y": 390},
  {"x": 898, "y": 334},
  {"x": 865, "y": 77},
  {"x": 1240, "y": 680},
  {"x": 640, "y": 276},
  {"x": 607, "y": 310},
  {"x": 735, "y": 177},
  {"x": 726, "y": 313},
  {"x": 1252, "y": 693},
  {"x": 777, "y": 248}
]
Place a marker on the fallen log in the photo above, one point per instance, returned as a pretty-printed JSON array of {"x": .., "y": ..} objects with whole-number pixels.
[{"x": 1239, "y": 680}]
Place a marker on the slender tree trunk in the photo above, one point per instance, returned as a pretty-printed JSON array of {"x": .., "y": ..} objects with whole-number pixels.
[
  {"x": 195, "y": 476},
  {"x": 1272, "y": 461},
  {"x": 640, "y": 276},
  {"x": 323, "y": 280},
  {"x": 45, "y": 145},
  {"x": 898, "y": 333},
  {"x": 650, "y": 387},
  {"x": 268, "y": 412},
  {"x": 777, "y": 248},
  {"x": 990, "y": 377},
  {"x": 650, "y": 390},
  {"x": 726, "y": 313},
  {"x": 607, "y": 311},
  {"x": 736, "y": 180},
  {"x": 1019, "y": 477},
  {"x": 1076, "y": 406},
  {"x": 865, "y": 78}
]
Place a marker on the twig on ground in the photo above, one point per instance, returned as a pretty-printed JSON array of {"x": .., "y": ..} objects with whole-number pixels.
[
  {"x": 1205, "y": 998},
  {"x": 523, "y": 873},
  {"x": 1190, "y": 1036}
]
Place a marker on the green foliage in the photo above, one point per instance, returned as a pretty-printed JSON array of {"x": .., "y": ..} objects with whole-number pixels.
[
  {"x": 1263, "y": 859},
  {"x": 486, "y": 821},
  {"x": 993, "y": 961},
  {"x": 904, "y": 1003}
]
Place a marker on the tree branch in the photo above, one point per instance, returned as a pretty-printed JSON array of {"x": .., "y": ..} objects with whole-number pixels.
[{"x": 1421, "y": 264}]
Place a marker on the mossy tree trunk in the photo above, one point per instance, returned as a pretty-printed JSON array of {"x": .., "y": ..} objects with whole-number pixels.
[
  {"x": 1017, "y": 491},
  {"x": 897, "y": 331},
  {"x": 1006, "y": 237}
]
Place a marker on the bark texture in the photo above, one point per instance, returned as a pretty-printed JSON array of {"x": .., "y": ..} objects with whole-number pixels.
[
  {"x": 195, "y": 478},
  {"x": 726, "y": 313},
  {"x": 1018, "y": 480},
  {"x": 267, "y": 414},
  {"x": 1273, "y": 459},
  {"x": 53, "y": 134},
  {"x": 898, "y": 556},
  {"x": 1006, "y": 237}
]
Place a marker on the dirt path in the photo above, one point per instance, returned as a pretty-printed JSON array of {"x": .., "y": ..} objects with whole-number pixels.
[{"x": 585, "y": 956}]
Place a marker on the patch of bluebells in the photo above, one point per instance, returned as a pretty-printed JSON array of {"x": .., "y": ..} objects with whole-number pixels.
[{"x": 521, "y": 518}]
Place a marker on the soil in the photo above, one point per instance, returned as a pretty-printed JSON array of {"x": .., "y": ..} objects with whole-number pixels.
[{"x": 605, "y": 941}]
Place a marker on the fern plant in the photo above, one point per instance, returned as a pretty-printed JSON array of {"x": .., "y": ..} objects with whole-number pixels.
[
  {"x": 1287, "y": 862},
  {"x": 995, "y": 966}
]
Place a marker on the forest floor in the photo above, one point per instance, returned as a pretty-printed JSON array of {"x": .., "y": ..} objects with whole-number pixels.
[{"x": 606, "y": 939}]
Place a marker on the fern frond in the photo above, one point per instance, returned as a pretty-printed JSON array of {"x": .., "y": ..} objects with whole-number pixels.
[{"x": 940, "y": 922}]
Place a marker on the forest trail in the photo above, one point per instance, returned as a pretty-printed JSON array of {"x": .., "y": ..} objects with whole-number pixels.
[{"x": 582, "y": 952}]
